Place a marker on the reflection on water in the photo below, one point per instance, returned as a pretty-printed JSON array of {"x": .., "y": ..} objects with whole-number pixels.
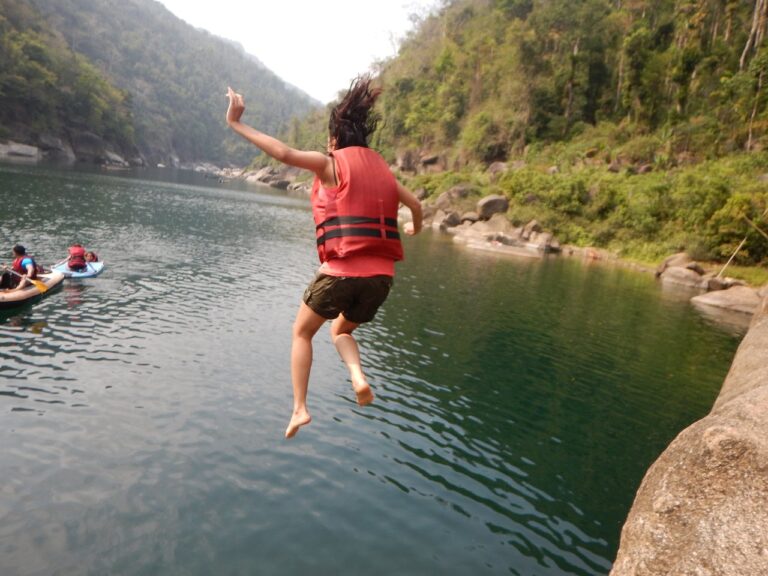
[{"x": 518, "y": 403}]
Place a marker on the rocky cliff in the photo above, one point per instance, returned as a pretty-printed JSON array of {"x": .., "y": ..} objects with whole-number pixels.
[{"x": 701, "y": 508}]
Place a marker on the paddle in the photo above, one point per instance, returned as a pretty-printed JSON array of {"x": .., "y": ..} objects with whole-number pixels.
[{"x": 37, "y": 283}]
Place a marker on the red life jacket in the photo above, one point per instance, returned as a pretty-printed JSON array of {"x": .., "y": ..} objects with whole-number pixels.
[
  {"x": 359, "y": 216},
  {"x": 19, "y": 269},
  {"x": 77, "y": 258}
]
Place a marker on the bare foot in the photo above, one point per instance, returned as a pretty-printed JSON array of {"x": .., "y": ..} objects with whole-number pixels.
[
  {"x": 363, "y": 392},
  {"x": 298, "y": 420}
]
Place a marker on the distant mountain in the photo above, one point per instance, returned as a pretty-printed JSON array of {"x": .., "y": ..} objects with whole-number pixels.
[{"x": 164, "y": 79}]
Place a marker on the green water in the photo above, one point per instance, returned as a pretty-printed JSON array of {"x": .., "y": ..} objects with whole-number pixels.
[{"x": 519, "y": 402}]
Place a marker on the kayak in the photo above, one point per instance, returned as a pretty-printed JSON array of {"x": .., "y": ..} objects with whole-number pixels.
[
  {"x": 92, "y": 269},
  {"x": 9, "y": 298}
]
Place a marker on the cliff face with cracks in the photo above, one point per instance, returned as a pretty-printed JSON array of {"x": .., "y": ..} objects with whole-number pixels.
[{"x": 702, "y": 507}]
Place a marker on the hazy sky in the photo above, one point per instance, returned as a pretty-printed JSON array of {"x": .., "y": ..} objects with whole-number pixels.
[{"x": 318, "y": 46}]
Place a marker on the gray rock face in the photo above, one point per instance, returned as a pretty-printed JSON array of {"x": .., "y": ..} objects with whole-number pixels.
[
  {"x": 17, "y": 150},
  {"x": 493, "y": 204},
  {"x": 447, "y": 199},
  {"x": 681, "y": 259},
  {"x": 701, "y": 508},
  {"x": 738, "y": 298},
  {"x": 683, "y": 276}
]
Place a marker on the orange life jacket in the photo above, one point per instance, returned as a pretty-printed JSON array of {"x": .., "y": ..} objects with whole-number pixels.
[
  {"x": 77, "y": 258},
  {"x": 19, "y": 269},
  {"x": 359, "y": 216}
]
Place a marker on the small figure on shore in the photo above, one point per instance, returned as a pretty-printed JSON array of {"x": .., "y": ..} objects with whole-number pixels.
[
  {"x": 23, "y": 269},
  {"x": 355, "y": 201}
]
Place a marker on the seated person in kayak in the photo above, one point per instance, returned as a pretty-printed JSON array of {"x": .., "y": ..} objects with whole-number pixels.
[
  {"x": 76, "y": 260},
  {"x": 91, "y": 257},
  {"x": 23, "y": 269}
]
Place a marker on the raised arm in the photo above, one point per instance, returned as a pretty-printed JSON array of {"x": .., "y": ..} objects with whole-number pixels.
[
  {"x": 412, "y": 203},
  {"x": 320, "y": 164}
]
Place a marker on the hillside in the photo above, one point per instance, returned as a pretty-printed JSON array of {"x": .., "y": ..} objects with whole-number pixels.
[
  {"x": 46, "y": 90},
  {"x": 170, "y": 79},
  {"x": 636, "y": 125}
]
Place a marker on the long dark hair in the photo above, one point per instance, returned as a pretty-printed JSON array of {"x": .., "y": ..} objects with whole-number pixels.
[{"x": 352, "y": 121}]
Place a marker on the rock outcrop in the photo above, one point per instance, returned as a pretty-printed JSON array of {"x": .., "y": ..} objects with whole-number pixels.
[
  {"x": 486, "y": 227},
  {"x": 701, "y": 508},
  {"x": 81, "y": 146}
]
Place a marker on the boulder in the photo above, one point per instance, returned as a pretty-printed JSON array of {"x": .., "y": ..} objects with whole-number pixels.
[
  {"x": 437, "y": 219},
  {"x": 738, "y": 298},
  {"x": 448, "y": 198},
  {"x": 682, "y": 276},
  {"x": 432, "y": 163},
  {"x": 89, "y": 147},
  {"x": 496, "y": 169},
  {"x": 451, "y": 219},
  {"x": 679, "y": 259},
  {"x": 542, "y": 241},
  {"x": 700, "y": 509},
  {"x": 263, "y": 175},
  {"x": 113, "y": 159},
  {"x": 470, "y": 217},
  {"x": 55, "y": 148},
  {"x": 17, "y": 150},
  {"x": 497, "y": 223},
  {"x": 406, "y": 161},
  {"x": 528, "y": 229},
  {"x": 493, "y": 204}
]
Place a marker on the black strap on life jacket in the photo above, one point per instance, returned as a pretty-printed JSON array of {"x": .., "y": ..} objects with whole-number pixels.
[{"x": 349, "y": 226}]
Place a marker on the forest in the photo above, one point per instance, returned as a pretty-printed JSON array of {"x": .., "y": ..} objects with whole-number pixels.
[
  {"x": 633, "y": 125},
  {"x": 132, "y": 73}
]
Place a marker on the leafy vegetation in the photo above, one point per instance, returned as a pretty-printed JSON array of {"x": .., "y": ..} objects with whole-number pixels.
[
  {"x": 45, "y": 87},
  {"x": 483, "y": 80}
]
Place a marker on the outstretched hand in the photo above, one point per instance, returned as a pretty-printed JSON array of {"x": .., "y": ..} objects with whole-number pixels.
[{"x": 236, "y": 106}]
